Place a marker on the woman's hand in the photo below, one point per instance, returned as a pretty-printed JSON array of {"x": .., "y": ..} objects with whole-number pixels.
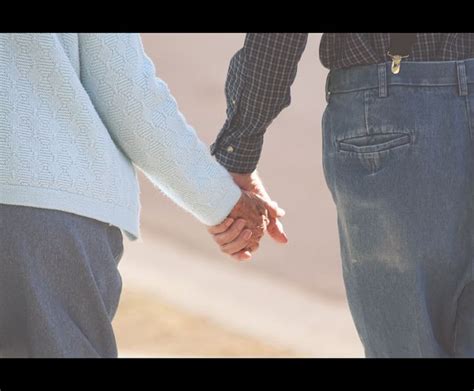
[{"x": 240, "y": 233}]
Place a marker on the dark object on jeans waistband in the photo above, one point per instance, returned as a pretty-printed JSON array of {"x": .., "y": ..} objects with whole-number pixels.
[
  {"x": 402, "y": 43},
  {"x": 400, "y": 47}
]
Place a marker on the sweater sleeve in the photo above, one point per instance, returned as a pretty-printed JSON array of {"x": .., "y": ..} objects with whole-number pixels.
[{"x": 144, "y": 121}]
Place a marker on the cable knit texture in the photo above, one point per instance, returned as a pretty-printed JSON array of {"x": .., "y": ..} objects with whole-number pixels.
[{"x": 79, "y": 113}]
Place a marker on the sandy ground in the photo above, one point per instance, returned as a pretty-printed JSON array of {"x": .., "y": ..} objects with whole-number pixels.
[
  {"x": 308, "y": 316},
  {"x": 175, "y": 300},
  {"x": 165, "y": 331}
]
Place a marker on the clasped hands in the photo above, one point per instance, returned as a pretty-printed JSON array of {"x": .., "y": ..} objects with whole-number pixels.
[{"x": 254, "y": 214}]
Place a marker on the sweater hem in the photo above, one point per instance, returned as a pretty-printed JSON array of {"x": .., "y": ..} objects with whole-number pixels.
[{"x": 73, "y": 203}]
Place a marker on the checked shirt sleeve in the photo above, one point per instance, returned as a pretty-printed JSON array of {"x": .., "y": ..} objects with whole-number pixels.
[{"x": 257, "y": 90}]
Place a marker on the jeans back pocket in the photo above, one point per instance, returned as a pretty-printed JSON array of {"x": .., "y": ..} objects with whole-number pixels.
[
  {"x": 373, "y": 132},
  {"x": 372, "y": 143}
]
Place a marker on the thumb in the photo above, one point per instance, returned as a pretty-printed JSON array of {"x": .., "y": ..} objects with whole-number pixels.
[
  {"x": 273, "y": 209},
  {"x": 275, "y": 230}
]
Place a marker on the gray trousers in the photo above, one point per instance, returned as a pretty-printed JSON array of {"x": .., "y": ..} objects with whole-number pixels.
[{"x": 59, "y": 283}]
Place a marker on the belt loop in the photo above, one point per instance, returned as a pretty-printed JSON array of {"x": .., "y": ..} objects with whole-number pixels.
[
  {"x": 462, "y": 79},
  {"x": 326, "y": 88},
  {"x": 382, "y": 74}
]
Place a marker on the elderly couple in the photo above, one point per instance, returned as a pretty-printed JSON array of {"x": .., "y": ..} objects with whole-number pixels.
[{"x": 79, "y": 112}]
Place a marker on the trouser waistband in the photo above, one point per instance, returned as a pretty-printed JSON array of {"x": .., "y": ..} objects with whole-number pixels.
[{"x": 412, "y": 73}]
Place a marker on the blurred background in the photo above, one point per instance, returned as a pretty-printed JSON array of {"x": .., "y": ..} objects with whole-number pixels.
[{"x": 181, "y": 297}]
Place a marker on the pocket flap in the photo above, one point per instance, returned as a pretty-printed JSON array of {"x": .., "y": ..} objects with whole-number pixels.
[{"x": 373, "y": 142}]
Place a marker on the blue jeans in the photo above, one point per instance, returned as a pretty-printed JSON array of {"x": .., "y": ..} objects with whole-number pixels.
[
  {"x": 398, "y": 159},
  {"x": 59, "y": 283}
]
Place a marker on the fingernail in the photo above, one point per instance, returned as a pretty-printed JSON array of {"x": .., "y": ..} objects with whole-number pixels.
[
  {"x": 229, "y": 222},
  {"x": 247, "y": 256},
  {"x": 247, "y": 235}
]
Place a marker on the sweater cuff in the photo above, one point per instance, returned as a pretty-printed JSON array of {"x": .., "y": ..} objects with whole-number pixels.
[{"x": 221, "y": 208}]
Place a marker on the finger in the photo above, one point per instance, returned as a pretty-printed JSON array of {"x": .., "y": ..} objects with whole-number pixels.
[
  {"x": 217, "y": 229},
  {"x": 273, "y": 209},
  {"x": 253, "y": 247},
  {"x": 231, "y": 233},
  {"x": 243, "y": 255},
  {"x": 238, "y": 244},
  {"x": 276, "y": 232},
  {"x": 280, "y": 211}
]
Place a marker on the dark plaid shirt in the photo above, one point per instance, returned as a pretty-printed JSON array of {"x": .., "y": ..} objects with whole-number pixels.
[{"x": 262, "y": 72}]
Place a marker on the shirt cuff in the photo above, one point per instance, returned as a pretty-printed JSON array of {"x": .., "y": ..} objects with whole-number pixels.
[{"x": 239, "y": 155}]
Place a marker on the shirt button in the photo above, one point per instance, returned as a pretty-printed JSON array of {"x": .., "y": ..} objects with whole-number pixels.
[
  {"x": 233, "y": 101},
  {"x": 230, "y": 149}
]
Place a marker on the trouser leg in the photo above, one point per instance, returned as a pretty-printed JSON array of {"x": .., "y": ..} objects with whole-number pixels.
[
  {"x": 59, "y": 284},
  {"x": 405, "y": 218}
]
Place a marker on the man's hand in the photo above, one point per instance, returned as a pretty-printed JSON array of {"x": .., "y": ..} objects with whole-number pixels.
[
  {"x": 240, "y": 233},
  {"x": 231, "y": 232},
  {"x": 252, "y": 183}
]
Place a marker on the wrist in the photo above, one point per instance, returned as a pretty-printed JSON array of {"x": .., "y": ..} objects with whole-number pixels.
[{"x": 246, "y": 182}]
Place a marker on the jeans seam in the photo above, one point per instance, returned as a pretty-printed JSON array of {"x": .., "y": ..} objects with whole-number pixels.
[
  {"x": 366, "y": 111},
  {"x": 332, "y": 151},
  {"x": 469, "y": 117},
  {"x": 394, "y": 84},
  {"x": 457, "y": 304}
]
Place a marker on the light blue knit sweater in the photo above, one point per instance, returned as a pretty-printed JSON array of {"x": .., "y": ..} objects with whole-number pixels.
[{"x": 79, "y": 113}]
